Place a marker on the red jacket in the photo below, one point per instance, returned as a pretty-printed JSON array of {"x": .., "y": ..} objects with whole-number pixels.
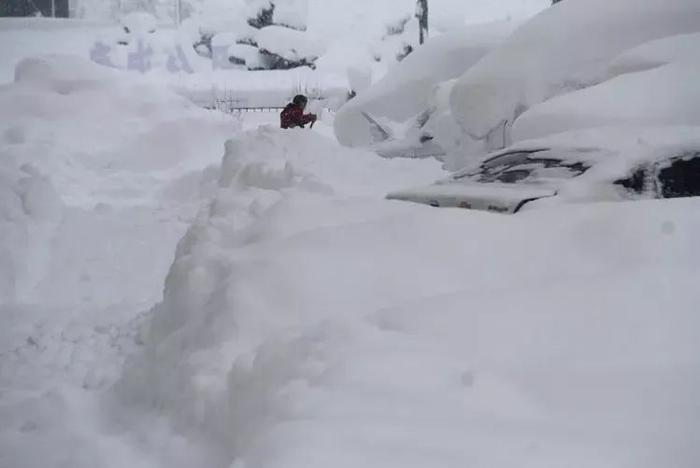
[{"x": 293, "y": 116}]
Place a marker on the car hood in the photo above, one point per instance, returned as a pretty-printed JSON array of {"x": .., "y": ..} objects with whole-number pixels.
[{"x": 496, "y": 197}]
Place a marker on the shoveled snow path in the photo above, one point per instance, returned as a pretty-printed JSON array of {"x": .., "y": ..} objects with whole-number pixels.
[{"x": 118, "y": 171}]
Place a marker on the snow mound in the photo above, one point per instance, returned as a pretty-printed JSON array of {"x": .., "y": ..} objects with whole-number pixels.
[
  {"x": 263, "y": 172},
  {"x": 625, "y": 100},
  {"x": 75, "y": 133},
  {"x": 301, "y": 307},
  {"x": 682, "y": 47},
  {"x": 407, "y": 89},
  {"x": 61, "y": 73},
  {"x": 562, "y": 49},
  {"x": 100, "y": 176},
  {"x": 52, "y": 93}
]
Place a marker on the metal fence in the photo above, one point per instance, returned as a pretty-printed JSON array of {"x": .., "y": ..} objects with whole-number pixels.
[{"x": 233, "y": 105}]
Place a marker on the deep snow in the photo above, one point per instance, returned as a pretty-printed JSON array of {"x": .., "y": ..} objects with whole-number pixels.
[
  {"x": 182, "y": 288},
  {"x": 408, "y": 88},
  {"x": 306, "y": 322},
  {"x": 563, "y": 48},
  {"x": 100, "y": 178}
]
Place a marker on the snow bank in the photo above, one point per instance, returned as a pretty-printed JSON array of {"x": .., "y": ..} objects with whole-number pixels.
[
  {"x": 408, "y": 88},
  {"x": 61, "y": 73},
  {"x": 76, "y": 133},
  {"x": 264, "y": 172},
  {"x": 564, "y": 48},
  {"x": 51, "y": 90},
  {"x": 663, "y": 96},
  {"x": 307, "y": 322},
  {"x": 25, "y": 37},
  {"x": 100, "y": 175},
  {"x": 682, "y": 47}
]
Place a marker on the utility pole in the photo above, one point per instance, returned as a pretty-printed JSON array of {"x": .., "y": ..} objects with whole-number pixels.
[{"x": 422, "y": 15}]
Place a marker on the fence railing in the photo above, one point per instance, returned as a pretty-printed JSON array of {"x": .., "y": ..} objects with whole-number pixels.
[{"x": 233, "y": 105}]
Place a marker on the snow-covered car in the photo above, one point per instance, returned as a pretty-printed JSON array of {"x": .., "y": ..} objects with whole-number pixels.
[{"x": 667, "y": 165}]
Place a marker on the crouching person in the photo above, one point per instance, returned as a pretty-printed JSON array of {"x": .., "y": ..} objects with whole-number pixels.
[{"x": 293, "y": 114}]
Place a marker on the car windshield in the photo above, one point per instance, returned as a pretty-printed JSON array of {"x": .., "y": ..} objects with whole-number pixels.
[
  {"x": 508, "y": 159},
  {"x": 526, "y": 167},
  {"x": 533, "y": 170}
]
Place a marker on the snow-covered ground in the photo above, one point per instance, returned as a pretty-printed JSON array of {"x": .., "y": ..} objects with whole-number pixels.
[
  {"x": 306, "y": 322},
  {"x": 100, "y": 178},
  {"x": 180, "y": 287}
]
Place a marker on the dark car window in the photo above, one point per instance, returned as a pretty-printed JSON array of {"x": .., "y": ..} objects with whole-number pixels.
[
  {"x": 499, "y": 162},
  {"x": 526, "y": 166},
  {"x": 637, "y": 181},
  {"x": 531, "y": 169},
  {"x": 680, "y": 177},
  {"x": 508, "y": 159}
]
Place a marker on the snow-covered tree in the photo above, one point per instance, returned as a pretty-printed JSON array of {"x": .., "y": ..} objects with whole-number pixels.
[
  {"x": 280, "y": 41},
  {"x": 263, "y": 11}
]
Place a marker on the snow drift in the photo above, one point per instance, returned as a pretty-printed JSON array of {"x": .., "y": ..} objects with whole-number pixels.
[
  {"x": 198, "y": 351},
  {"x": 564, "y": 48},
  {"x": 653, "y": 54},
  {"x": 407, "y": 89},
  {"x": 301, "y": 308},
  {"x": 664, "y": 96},
  {"x": 75, "y": 133},
  {"x": 650, "y": 85}
]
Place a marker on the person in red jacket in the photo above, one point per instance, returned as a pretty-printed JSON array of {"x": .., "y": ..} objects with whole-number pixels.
[{"x": 293, "y": 114}]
